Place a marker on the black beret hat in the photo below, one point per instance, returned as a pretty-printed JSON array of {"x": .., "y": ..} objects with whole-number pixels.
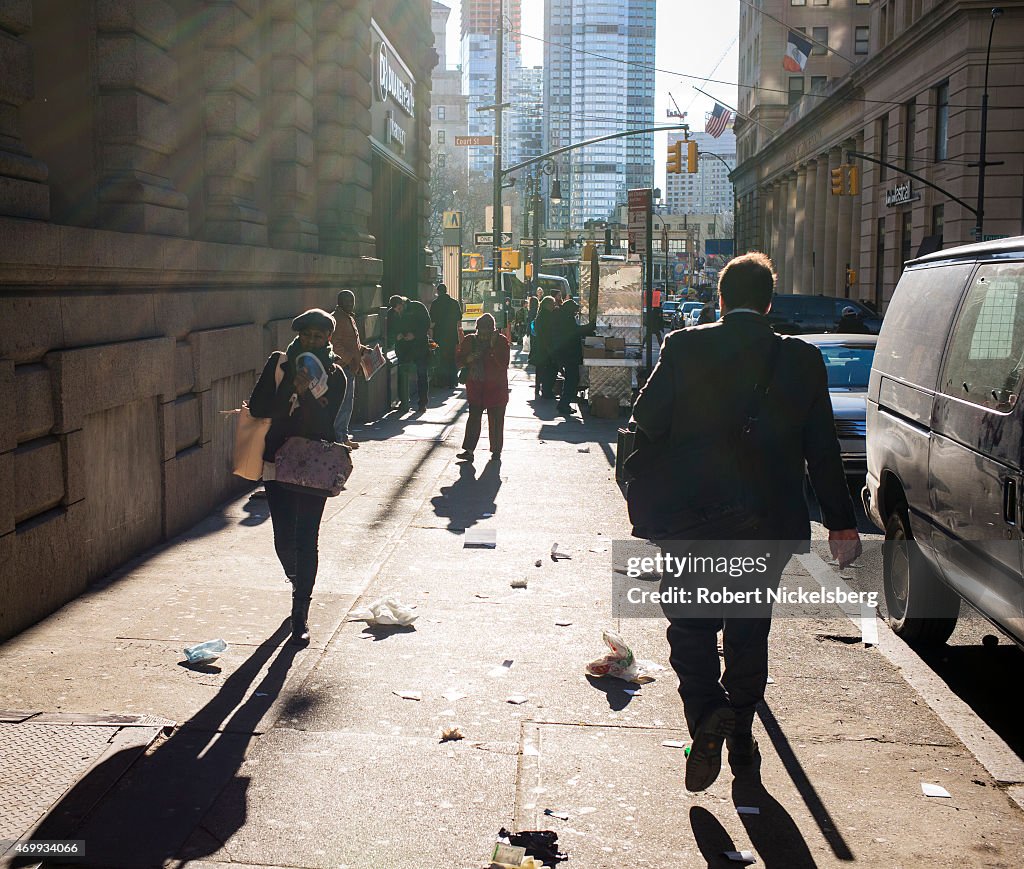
[{"x": 314, "y": 318}]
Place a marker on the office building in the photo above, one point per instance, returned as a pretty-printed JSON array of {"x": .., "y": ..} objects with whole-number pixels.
[
  {"x": 709, "y": 190},
  {"x": 599, "y": 79}
]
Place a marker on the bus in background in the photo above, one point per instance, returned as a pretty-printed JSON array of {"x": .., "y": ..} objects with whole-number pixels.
[{"x": 477, "y": 296}]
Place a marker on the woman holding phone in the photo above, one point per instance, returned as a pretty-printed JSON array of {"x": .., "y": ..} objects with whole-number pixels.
[{"x": 485, "y": 356}]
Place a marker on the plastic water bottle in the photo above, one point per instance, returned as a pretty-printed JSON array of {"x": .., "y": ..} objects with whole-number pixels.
[{"x": 204, "y": 653}]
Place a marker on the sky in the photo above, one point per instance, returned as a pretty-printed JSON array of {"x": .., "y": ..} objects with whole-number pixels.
[{"x": 694, "y": 36}]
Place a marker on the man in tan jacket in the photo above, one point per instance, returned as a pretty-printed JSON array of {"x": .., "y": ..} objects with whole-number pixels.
[{"x": 349, "y": 350}]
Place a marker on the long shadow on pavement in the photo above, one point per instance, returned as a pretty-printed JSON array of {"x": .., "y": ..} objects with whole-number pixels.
[
  {"x": 803, "y": 784},
  {"x": 773, "y": 832},
  {"x": 144, "y": 816},
  {"x": 465, "y": 502}
]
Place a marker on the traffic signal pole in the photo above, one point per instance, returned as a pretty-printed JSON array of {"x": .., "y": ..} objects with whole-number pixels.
[{"x": 498, "y": 220}]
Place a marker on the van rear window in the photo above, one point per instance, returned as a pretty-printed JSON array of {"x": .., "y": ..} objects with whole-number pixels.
[{"x": 917, "y": 322}]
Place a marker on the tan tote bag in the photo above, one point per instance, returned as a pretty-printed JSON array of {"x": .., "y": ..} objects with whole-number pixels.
[{"x": 251, "y": 438}]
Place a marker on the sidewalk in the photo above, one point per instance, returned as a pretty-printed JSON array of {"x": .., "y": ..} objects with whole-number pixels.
[{"x": 309, "y": 758}]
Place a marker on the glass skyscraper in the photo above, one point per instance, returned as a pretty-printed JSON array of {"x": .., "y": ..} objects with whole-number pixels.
[{"x": 599, "y": 79}]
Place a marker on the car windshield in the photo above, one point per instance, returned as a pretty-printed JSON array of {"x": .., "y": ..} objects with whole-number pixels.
[{"x": 848, "y": 367}]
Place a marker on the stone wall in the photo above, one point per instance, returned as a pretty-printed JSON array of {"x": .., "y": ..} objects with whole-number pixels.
[{"x": 178, "y": 179}]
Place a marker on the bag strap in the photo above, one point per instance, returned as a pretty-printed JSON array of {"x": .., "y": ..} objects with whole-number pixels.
[
  {"x": 762, "y": 386},
  {"x": 279, "y": 370}
]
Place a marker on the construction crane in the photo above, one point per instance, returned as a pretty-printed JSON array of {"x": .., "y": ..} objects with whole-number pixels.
[{"x": 674, "y": 112}]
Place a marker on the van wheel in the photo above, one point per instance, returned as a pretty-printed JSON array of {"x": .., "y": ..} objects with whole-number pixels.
[{"x": 922, "y": 609}]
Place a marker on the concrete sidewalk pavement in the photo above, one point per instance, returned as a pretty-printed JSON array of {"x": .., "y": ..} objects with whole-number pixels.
[{"x": 311, "y": 758}]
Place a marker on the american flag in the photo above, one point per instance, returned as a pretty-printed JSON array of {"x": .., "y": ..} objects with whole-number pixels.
[{"x": 717, "y": 121}]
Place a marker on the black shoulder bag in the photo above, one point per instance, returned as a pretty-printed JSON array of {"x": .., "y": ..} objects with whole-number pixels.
[{"x": 698, "y": 489}]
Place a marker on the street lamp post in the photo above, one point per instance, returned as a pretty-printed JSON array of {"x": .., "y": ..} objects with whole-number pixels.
[{"x": 982, "y": 161}]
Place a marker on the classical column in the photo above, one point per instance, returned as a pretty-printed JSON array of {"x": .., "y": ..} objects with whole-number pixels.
[
  {"x": 23, "y": 188},
  {"x": 828, "y": 285},
  {"x": 786, "y": 224},
  {"x": 231, "y": 116},
  {"x": 137, "y": 128},
  {"x": 343, "y": 73},
  {"x": 821, "y": 194},
  {"x": 292, "y": 181},
  {"x": 799, "y": 231},
  {"x": 810, "y": 207},
  {"x": 775, "y": 192}
]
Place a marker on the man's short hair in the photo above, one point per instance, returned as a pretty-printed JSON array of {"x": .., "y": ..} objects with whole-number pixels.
[
  {"x": 346, "y": 296},
  {"x": 441, "y": 288},
  {"x": 747, "y": 282},
  {"x": 395, "y": 301}
]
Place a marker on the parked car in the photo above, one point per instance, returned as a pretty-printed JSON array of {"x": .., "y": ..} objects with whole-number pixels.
[
  {"x": 799, "y": 314},
  {"x": 685, "y": 310},
  {"x": 669, "y": 310},
  {"x": 945, "y": 430},
  {"x": 848, "y": 363}
]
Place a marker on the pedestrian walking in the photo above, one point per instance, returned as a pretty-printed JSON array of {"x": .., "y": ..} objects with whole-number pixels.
[
  {"x": 707, "y": 315},
  {"x": 412, "y": 344},
  {"x": 446, "y": 317},
  {"x": 349, "y": 350},
  {"x": 486, "y": 356},
  {"x": 298, "y": 407},
  {"x": 771, "y": 395},
  {"x": 567, "y": 351},
  {"x": 542, "y": 348}
]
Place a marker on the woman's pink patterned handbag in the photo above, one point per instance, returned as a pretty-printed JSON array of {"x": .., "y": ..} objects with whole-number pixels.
[{"x": 314, "y": 467}]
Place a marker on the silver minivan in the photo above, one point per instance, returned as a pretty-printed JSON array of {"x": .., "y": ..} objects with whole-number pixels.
[{"x": 945, "y": 441}]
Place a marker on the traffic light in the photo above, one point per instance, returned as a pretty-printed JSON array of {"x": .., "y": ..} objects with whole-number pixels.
[
  {"x": 474, "y": 261},
  {"x": 852, "y": 180},
  {"x": 845, "y": 180},
  {"x": 837, "y": 181},
  {"x": 691, "y": 156},
  {"x": 674, "y": 161}
]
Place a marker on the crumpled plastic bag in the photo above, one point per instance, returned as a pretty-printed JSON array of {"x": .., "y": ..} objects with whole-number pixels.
[
  {"x": 621, "y": 663},
  {"x": 385, "y": 611}
]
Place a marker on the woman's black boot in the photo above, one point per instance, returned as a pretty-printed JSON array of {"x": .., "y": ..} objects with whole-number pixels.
[{"x": 300, "y": 620}]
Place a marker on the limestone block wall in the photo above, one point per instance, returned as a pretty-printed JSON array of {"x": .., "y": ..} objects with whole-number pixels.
[{"x": 117, "y": 353}]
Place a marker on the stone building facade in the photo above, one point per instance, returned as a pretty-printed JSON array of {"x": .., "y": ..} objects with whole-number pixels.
[
  {"x": 178, "y": 179},
  {"x": 916, "y": 103}
]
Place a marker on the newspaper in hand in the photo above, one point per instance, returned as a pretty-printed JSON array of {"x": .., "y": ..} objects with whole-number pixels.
[
  {"x": 372, "y": 361},
  {"x": 317, "y": 375}
]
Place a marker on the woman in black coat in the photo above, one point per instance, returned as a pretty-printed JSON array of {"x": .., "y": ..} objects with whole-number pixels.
[
  {"x": 298, "y": 406},
  {"x": 542, "y": 347}
]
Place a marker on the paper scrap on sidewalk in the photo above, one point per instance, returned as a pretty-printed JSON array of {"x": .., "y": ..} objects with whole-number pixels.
[
  {"x": 517, "y": 699},
  {"x": 771, "y": 681},
  {"x": 501, "y": 670},
  {"x": 748, "y": 810},
  {"x": 868, "y": 625},
  {"x": 386, "y": 611},
  {"x": 452, "y": 695},
  {"x": 451, "y": 734},
  {"x": 557, "y": 813},
  {"x": 512, "y": 855},
  {"x": 740, "y": 856},
  {"x": 931, "y": 790},
  {"x": 557, "y": 553},
  {"x": 673, "y": 743},
  {"x": 519, "y": 583},
  {"x": 409, "y": 695},
  {"x": 483, "y": 538}
]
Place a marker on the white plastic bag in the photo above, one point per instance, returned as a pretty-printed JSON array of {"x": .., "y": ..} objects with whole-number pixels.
[
  {"x": 620, "y": 662},
  {"x": 385, "y": 611}
]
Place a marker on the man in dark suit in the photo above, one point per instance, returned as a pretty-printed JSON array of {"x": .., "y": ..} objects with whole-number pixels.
[
  {"x": 412, "y": 345},
  {"x": 700, "y": 389},
  {"x": 446, "y": 316}
]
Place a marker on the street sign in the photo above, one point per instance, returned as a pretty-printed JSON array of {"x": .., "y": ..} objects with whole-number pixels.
[
  {"x": 528, "y": 242},
  {"x": 488, "y": 238},
  {"x": 474, "y": 140},
  {"x": 452, "y": 227},
  {"x": 639, "y": 207}
]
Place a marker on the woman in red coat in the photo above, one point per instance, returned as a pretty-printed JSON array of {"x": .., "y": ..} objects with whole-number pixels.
[{"x": 485, "y": 356}]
